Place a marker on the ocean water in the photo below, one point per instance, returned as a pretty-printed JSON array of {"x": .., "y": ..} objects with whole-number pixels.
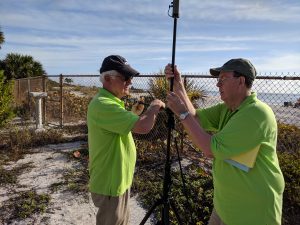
[
  {"x": 269, "y": 98},
  {"x": 278, "y": 99},
  {"x": 287, "y": 115}
]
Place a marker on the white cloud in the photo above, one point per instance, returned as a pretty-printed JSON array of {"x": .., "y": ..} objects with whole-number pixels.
[
  {"x": 279, "y": 37},
  {"x": 287, "y": 62},
  {"x": 256, "y": 10}
]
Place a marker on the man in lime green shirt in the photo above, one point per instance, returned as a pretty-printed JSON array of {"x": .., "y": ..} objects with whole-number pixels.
[
  {"x": 112, "y": 151},
  {"x": 248, "y": 182}
]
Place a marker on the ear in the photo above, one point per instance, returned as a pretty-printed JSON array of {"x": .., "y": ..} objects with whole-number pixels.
[
  {"x": 107, "y": 78},
  {"x": 242, "y": 80}
]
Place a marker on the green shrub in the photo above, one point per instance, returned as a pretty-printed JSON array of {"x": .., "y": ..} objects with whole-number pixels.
[
  {"x": 199, "y": 192},
  {"x": 288, "y": 138},
  {"x": 25, "y": 204},
  {"x": 9, "y": 177},
  {"x": 27, "y": 138},
  {"x": 148, "y": 183},
  {"x": 6, "y": 99},
  {"x": 290, "y": 166},
  {"x": 289, "y": 159},
  {"x": 22, "y": 111}
]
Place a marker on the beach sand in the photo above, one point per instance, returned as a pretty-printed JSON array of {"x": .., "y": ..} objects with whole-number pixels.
[{"x": 65, "y": 208}]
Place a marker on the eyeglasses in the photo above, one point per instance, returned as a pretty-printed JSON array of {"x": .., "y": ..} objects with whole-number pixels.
[
  {"x": 123, "y": 78},
  {"x": 222, "y": 80}
]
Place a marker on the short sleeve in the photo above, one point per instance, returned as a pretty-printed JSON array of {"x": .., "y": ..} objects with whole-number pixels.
[
  {"x": 209, "y": 117},
  {"x": 241, "y": 134},
  {"x": 111, "y": 116}
]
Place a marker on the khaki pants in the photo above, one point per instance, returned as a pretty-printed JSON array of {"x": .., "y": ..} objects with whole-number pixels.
[
  {"x": 112, "y": 210},
  {"x": 215, "y": 219}
]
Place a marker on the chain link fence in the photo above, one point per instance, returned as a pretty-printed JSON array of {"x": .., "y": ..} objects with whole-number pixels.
[
  {"x": 22, "y": 97},
  {"x": 68, "y": 96}
]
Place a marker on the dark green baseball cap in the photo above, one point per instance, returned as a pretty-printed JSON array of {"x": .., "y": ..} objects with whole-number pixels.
[{"x": 240, "y": 65}]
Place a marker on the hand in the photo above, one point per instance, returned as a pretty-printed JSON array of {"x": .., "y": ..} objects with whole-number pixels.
[
  {"x": 175, "y": 104},
  {"x": 138, "y": 108},
  {"x": 157, "y": 102},
  {"x": 169, "y": 73}
]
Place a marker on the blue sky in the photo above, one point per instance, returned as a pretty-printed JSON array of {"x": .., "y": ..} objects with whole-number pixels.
[{"x": 73, "y": 36}]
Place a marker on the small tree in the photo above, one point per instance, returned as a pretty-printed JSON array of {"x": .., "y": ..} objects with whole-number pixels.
[
  {"x": 69, "y": 80},
  {"x": 6, "y": 98}
]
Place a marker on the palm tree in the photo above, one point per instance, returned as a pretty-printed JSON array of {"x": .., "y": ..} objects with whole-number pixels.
[
  {"x": 2, "y": 39},
  {"x": 158, "y": 88},
  {"x": 17, "y": 66}
]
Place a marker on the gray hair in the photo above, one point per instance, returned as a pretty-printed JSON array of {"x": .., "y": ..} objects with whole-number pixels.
[{"x": 108, "y": 73}]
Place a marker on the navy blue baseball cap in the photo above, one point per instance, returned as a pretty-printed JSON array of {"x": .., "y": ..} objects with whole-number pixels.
[{"x": 118, "y": 63}]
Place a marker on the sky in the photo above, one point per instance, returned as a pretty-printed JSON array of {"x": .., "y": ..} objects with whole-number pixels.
[{"x": 73, "y": 36}]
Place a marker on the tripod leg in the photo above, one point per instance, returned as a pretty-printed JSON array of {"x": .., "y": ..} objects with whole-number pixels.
[
  {"x": 157, "y": 203},
  {"x": 176, "y": 212},
  {"x": 165, "y": 213}
]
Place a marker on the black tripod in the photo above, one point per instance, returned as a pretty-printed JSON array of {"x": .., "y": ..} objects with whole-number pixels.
[{"x": 165, "y": 199}]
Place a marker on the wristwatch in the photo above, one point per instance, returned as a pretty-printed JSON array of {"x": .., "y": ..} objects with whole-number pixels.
[{"x": 183, "y": 115}]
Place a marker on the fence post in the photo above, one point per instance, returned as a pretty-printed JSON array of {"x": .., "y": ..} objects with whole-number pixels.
[
  {"x": 61, "y": 100},
  {"x": 19, "y": 92},
  {"x": 184, "y": 81},
  {"x": 44, "y": 99},
  {"x": 28, "y": 96}
]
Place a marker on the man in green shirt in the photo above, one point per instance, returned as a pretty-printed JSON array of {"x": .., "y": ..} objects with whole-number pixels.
[
  {"x": 112, "y": 151},
  {"x": 248, "y": 182}
]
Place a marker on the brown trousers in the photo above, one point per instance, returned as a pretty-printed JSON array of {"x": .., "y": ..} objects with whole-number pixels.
[
  {"x": 215, "y": 219},
  {"x": 112, "y": 210}
]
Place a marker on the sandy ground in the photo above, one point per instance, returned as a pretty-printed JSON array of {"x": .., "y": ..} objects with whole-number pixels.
[{"x": 48, "y": 163}]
